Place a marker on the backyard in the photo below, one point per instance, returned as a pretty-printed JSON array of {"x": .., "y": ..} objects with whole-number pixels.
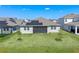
[{"x": 63, "y": 42}]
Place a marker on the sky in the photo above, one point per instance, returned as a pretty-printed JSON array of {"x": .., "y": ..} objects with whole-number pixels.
[{"x": 34, "y": 11}]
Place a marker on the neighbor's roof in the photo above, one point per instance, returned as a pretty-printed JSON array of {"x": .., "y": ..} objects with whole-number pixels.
[
  {"x": 73, "y": 24},
  {"x": 71, "y": 16},
  {"x": 10, "y": 23},
  {"x": 2, "y": 23},
  {"x": 6, "y": 21},
  {"x": 20, "y": 22},
  {"x": 42, "y": 22}
]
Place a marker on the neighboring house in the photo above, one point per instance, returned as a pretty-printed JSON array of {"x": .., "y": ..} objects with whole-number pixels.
[
  {"x": 9, "y": 25},
  {"x": 40, "y": 25},
  {"x": 70, "y": 23}
]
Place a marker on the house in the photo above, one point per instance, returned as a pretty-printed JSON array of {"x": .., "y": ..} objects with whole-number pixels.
[
  {"x": 70, "y": 23},
  {"x": 9, "y": 25},
  {"x": 40, "y": 25}
]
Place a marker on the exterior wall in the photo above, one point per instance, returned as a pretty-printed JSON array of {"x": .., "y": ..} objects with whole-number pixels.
[
  {"x": 31, "y": 30},
  {"x": 49, "y": 30},
  {"x": 26, "y": 31},
  {"x": 61, "y": 22}
]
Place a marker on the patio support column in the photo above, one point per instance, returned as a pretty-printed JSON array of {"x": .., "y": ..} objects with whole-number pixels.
[
  {"x": 75, "y": 29},
  {"x": 1, "y": 30}
]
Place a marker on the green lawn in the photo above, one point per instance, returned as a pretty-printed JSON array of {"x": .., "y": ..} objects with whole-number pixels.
[{"x": 42, "y": 42}]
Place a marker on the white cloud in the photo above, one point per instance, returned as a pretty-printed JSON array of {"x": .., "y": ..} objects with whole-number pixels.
[
  {"x": 25, "y": 9},
  {"x": 47, "y": 8}
]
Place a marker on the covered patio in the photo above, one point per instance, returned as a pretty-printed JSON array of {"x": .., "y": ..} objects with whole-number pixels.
[
  {"x": 73, "y": 27},
  {"x": 75, "y": 30}
]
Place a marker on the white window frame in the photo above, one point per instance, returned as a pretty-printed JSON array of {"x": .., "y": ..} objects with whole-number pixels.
[
  {"x": 27, "y": 28},
  {"x": 53, "y": 27}
]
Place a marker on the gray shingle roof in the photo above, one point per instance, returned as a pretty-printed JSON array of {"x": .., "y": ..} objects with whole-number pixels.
[
  {"x": 73, "y": 24},
  {"x": 10, "y": 21},
  {"x": 71, "y": 16},
  {"x": 38, "y": 21},
  {"x": 2, "y": 23},
  {"x": 43, "y": 22},
  {"x": 7, "y": 23}
]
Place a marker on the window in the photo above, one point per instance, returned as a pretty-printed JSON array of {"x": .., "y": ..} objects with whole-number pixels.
[
  {"x": 27, "y": 28},
  {"x": 53, "y": 27},
  {"x": 70, "y": 27},
  {"x": 4, "y": 29},
  {"x": 65, "y": 20},
  {"x": 7, "y": 29},
  {"x": 14, "y": 28},
  {"x": 24, "y": 28}
]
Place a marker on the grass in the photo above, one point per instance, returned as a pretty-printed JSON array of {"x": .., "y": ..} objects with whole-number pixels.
[{"x": 62, "y": 42}]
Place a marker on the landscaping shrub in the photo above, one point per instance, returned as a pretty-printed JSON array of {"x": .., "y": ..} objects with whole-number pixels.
[
  {"x": 2, "y": 35},
  {"x": 20, "y": 39},
  {"x": 58, "y": 39}
]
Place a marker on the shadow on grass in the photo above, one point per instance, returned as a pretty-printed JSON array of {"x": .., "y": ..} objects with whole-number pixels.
[
  {"x": 59, "y": 37},
  {"x": 4, "y": 37}
]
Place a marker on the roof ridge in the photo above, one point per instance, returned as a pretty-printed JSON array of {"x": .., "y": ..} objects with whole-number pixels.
[{"x": 72, "y": 15}]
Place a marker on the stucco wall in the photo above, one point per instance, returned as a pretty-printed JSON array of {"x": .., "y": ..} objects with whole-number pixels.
[
  {"x": 61, "y": 22},
  {"x": 26, "y": 31},
  {"x": 31, "y": 30},
  {"x": 49, "y": 30}
]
